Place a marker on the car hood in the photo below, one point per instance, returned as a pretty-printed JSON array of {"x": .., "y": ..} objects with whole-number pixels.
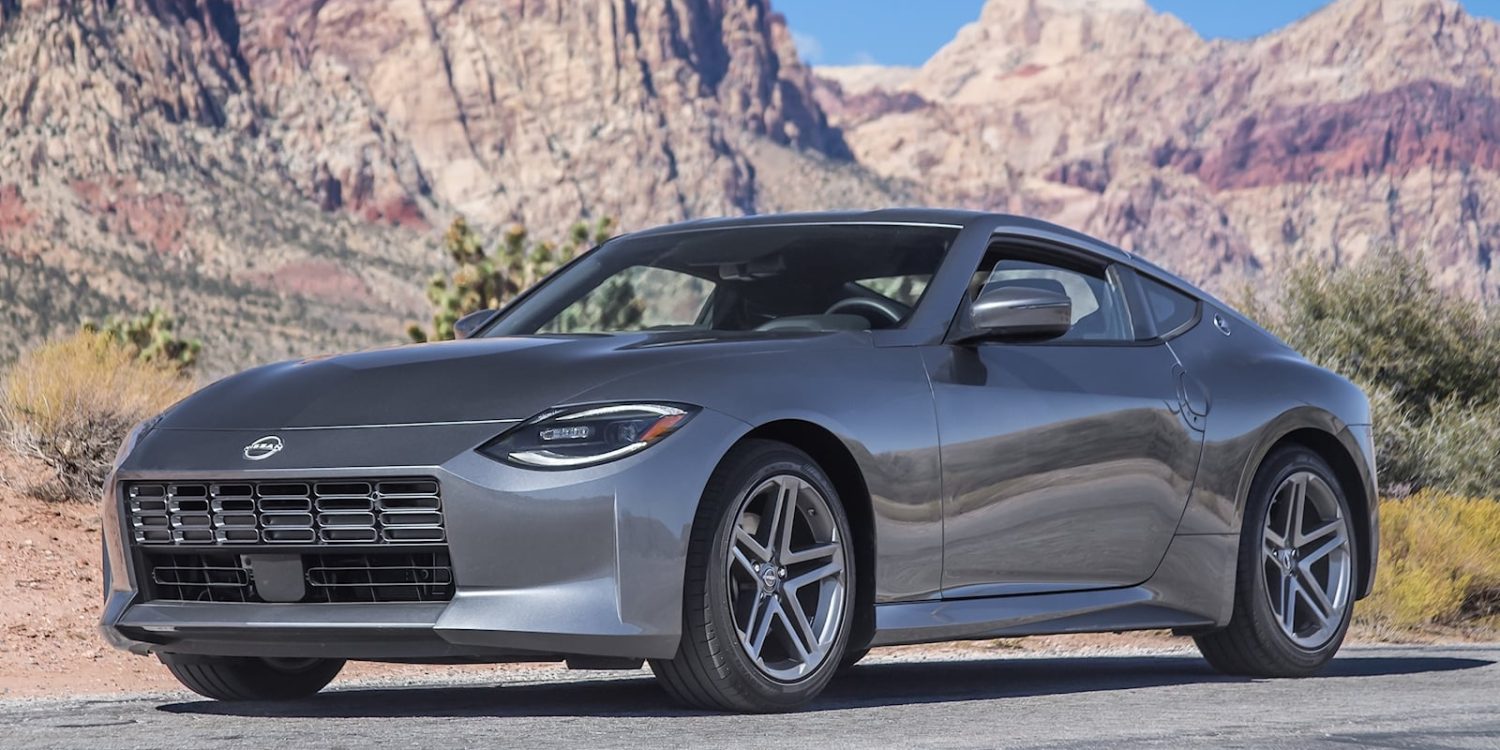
[{"x": 455, "y": 381}]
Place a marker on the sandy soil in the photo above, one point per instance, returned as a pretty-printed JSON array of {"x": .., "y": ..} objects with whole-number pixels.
[{"x": 50, "y": 591}]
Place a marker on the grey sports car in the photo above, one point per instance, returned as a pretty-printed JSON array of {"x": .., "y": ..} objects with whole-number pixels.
[{"x": 748, "y": 451}]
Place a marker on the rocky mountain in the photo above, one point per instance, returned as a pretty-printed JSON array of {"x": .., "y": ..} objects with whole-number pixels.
[
  {"x": 1370, "y": 122},
  {"x": 275, "y": 170}
]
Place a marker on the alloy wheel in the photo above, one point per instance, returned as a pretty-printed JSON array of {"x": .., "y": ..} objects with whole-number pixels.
[
  {"x": 1306, "y": 558},
  {"x": 787, "y": 576}
]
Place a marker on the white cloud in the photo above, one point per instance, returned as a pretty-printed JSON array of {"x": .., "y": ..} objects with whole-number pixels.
[
  {"x": 864, "y": 58},
  {"x": 809, "y": 47}
]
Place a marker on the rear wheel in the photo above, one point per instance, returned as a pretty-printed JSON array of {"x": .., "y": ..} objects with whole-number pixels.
[
  {"x": 769, "y": 585},
  {"x": 1294, "y": 588},
  {"x": 247, "y": 678}
]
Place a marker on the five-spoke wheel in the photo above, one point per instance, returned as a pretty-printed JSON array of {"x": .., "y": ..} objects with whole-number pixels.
[
  {"x": 1294, "y": 584},
  {"x": 1306, "y": 559},
  {"x": 786, "y": 577},
  {"x": 768, "y": 592}
]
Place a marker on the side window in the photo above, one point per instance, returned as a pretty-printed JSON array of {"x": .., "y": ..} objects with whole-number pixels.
[
  {"x": 1170, "y": 309},
  {"x": 1099, "y": 311},
  {"x": 637, "y": 298}
]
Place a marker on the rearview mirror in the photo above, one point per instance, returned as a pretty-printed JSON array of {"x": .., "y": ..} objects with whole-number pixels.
[
  {"x": 470, "y": 324},
  {"x": 1013, "y": 311}
]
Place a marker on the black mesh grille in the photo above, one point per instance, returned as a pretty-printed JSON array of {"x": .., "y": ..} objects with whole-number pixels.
[
  {"x": 363, "y": 576},
  {"x": 342, "y": 511}
]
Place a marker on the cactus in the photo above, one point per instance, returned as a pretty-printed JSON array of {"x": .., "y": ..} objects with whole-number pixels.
[
  {"x": 483, "y": 280},
  {"x": 151, "y": 337}
]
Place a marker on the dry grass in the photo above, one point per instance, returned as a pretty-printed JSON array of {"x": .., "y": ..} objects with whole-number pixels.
[
  {"x": 70, "y": 402},
  {"x": 1439, "y": 561}
]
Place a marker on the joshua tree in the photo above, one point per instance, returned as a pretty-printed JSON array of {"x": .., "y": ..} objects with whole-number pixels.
[
  {"x": 489, "y": 280},
  {"x": 151, "y": 338}
]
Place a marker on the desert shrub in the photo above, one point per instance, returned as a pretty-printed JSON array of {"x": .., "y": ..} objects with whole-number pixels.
[
  {"x": 1381, "y": 321},
  {"x": 151, "y": 337},
  {"x": 1460, "y": 447},
  {"x": 1439, "y": 561},
  {"x": 482, "y": 280},
  {"x": 1417, "y": 352},
  {"x": 70, "y": 403},
  {"x": 1399, "y": 447}
]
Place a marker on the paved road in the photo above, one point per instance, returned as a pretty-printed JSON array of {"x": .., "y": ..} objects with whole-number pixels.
[{"x": 1446, "y": 697}]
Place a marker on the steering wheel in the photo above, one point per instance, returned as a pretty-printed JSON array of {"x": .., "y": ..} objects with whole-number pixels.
[{"x": 883, "y": 309}]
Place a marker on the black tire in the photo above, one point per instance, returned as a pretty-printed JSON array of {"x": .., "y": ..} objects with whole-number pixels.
[
  {"x": 852, "y": 658},
  {"x": 244, "y": 678},
  {"x": 711, "y": 669},
  {"x": 1253, "y": 644}
]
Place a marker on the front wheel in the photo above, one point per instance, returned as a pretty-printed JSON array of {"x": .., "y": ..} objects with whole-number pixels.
[
  {"x": 1294, "y": 588},
  {"x": 769, "y": 585},
  {"x": 247, "y": 678}
]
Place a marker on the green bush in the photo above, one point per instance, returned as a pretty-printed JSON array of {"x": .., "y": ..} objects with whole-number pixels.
[
  {"x": 1429, "y": 361},
  {"x": 1460, "y": 447},
  {"x": 1381, "y": 321},
  {"x": 483, "y": 280}
]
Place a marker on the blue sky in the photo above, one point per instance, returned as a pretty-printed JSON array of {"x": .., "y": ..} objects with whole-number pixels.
[{"x": 903, "y": 32}]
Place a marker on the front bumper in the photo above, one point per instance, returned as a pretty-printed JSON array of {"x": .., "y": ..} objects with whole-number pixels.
[{"x": 546, "y": 563}]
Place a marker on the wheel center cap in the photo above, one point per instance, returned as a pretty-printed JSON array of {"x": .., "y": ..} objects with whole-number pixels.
[
  {"x": 769, "y": 577},
  {"x": 1286, "y": 557}
]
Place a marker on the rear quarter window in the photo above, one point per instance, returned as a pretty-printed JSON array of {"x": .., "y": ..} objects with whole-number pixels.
[{"x": 1171, "y": 311}]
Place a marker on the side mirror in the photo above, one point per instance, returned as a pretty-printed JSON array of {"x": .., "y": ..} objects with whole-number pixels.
[
  {"x": 470, "y": 324},
  {"x": 1020, "y": 312}
]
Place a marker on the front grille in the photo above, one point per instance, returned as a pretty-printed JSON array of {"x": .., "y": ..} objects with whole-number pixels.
[
  {"x": 343, "y": 511},
  {"x": 331, "y": 577}
]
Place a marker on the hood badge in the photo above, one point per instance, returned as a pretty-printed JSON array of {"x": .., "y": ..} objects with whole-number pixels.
[{"x": 263, "y": 448}]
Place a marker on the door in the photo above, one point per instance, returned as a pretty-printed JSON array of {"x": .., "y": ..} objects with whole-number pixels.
[{"x": 1066, "y": 463}]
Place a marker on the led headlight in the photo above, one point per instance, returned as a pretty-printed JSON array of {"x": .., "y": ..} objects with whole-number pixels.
[{"x": 588, "y": 435}]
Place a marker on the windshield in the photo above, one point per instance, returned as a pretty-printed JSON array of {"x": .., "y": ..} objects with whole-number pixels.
[{"x": 775, "y": 278}]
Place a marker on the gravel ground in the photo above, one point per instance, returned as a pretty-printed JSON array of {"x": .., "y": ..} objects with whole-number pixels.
[{"x": 1394, "y": 697}]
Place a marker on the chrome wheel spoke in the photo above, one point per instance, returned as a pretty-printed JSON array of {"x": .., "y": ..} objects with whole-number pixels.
[
  {"x": 1273, "y": 540},
  {"x": 1297, "y": 505},
  {"x": 744, "y": 562},
  {"x": 786, "y": 514},
  {"x": 804, "y": 646},
  {"x": 1289, "y": 604},
  {"x": 803, "y": 628},
  {"x": 1332, "y": 527},
  {"x": 743, "y": 539},
  {"x": 1313, "y": 592},
  {"x": 816, "y": 574},
  {"x": 809, "y": 554},
  {"x": 761, "y": 627},
  {"x": 1336, "y": 543}
]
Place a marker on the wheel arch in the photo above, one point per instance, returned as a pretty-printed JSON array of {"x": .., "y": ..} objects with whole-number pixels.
[
  {"x": 835, "y": 458},
  {"x": 1331, "y": 440}
]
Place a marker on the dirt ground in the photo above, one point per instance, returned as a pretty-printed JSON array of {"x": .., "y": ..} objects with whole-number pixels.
[{"x": 50, "y": 592}]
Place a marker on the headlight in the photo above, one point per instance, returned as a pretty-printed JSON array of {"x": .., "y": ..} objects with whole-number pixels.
[{"x": 588, "y": 435}]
